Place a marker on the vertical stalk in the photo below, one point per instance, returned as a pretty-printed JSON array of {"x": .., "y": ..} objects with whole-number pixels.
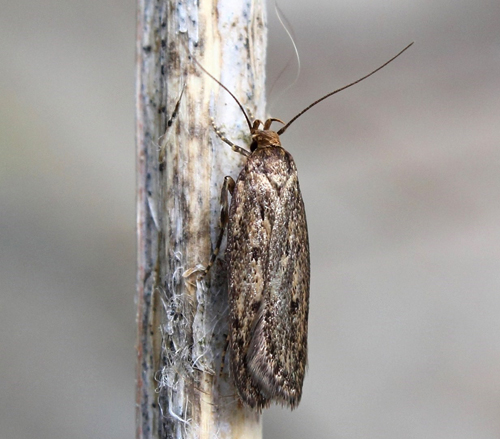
[{"x": 180, "y": 169}]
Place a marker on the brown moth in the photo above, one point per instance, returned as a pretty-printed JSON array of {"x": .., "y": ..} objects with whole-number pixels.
[
  {"x": 268, "y": 266},
  {"x": 268, "y": 269}
]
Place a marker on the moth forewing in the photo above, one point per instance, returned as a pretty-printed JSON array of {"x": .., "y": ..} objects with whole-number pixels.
[
  {"x": 268, "y": 268},
  {"x": 279, "y": 346}
]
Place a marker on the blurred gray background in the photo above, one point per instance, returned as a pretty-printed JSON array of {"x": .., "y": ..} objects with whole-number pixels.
[{"x": 401, "y": 180}]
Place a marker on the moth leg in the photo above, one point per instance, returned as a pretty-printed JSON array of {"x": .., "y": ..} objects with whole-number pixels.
[
  {"x": 228, "y": 186},
  {"x": 234, "y": 147},
  {"x": 169, "y": 124}
]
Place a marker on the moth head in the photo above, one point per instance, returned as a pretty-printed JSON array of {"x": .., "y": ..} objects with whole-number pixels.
[{"x": 265, "y": 138}]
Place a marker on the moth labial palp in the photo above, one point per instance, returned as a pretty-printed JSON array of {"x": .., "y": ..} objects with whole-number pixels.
[{"x": 267, "y": 258}]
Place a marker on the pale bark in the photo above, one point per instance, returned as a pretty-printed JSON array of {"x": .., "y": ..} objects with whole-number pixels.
[{"x": 180, "y": 170}]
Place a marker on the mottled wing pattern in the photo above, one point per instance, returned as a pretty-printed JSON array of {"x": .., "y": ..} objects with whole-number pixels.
[
  {"x": 278, "y": 351},
  {"x": 268, "y": 258}
]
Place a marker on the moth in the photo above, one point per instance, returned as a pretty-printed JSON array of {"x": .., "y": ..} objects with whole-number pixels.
[{"x": 268, "y": 266}]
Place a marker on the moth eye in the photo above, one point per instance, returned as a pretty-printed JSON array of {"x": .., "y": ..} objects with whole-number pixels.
[{"x": 253, "y": 146}]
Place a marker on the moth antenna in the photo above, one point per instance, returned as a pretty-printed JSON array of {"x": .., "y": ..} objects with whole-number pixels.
[
  {"x": 225, "y": 88},
  {"x": 289, "y": 30},
  {"x": 282, "y": 130}
]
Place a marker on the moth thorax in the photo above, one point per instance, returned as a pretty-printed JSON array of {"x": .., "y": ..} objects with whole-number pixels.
[{"x": 264, "y": 139}]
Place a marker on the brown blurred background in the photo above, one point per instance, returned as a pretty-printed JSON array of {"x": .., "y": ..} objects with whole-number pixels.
[{"x": 401, "y": 180}]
